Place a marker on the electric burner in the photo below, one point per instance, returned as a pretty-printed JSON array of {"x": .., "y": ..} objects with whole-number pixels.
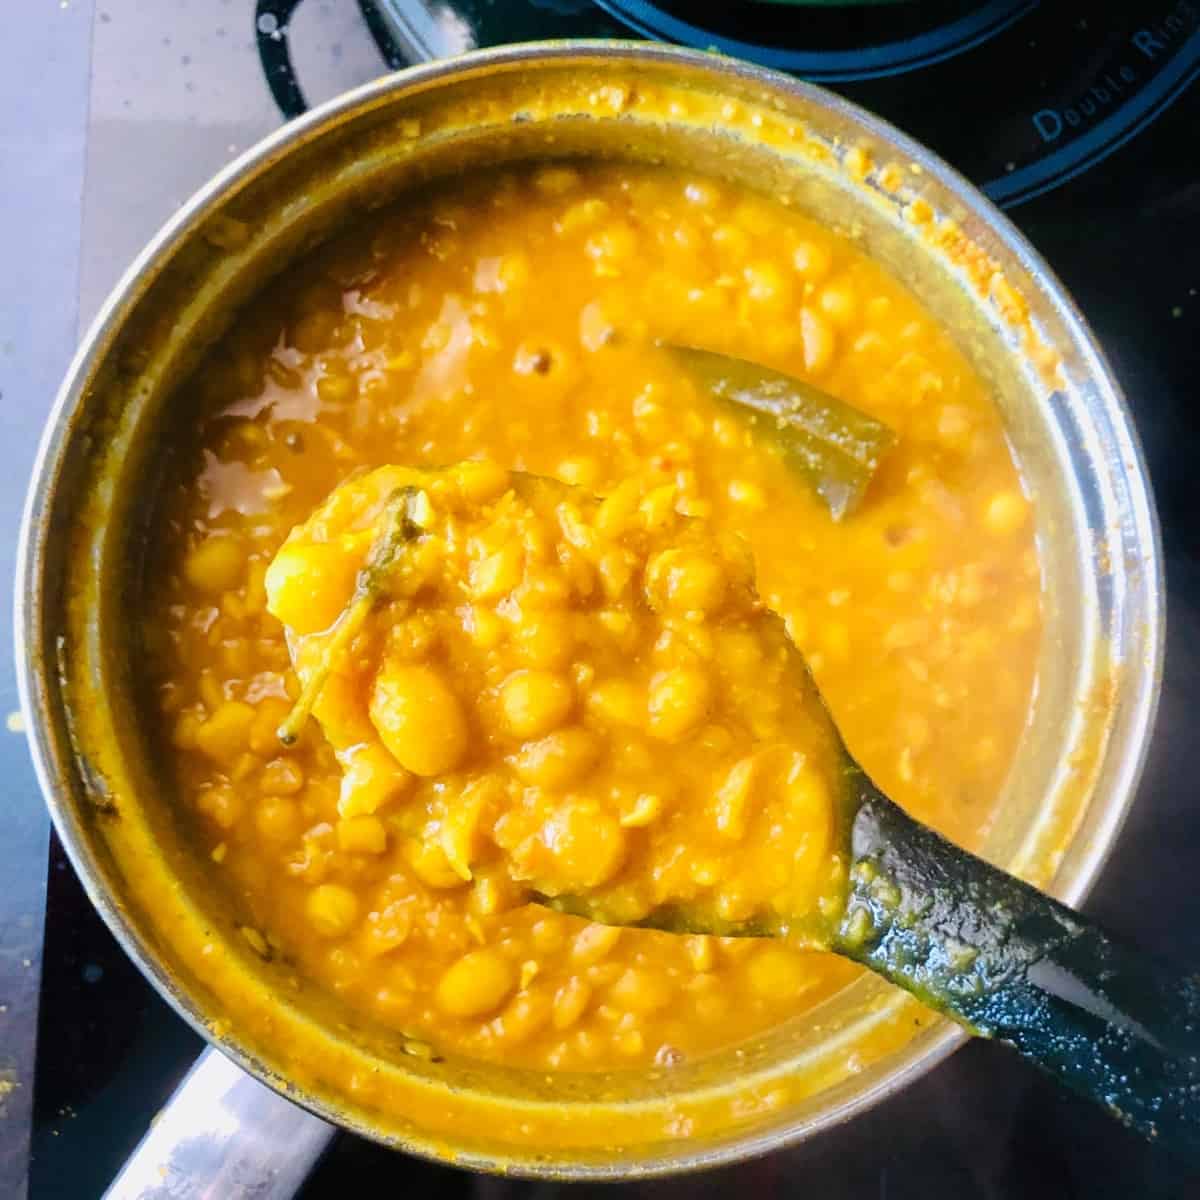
[
  {"x": 1021, "y": 96},
  {"x": 832, "y": 41},
  {"x": 1076, "y": 116}
]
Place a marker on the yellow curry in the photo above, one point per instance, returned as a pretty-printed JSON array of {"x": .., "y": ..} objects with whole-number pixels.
[{"x": 512, "y": 322}]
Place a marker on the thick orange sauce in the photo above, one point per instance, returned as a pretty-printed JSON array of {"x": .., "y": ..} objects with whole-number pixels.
[{"x": 480, "y": 323}]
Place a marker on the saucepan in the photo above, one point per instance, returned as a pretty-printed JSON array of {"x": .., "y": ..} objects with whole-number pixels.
[{"x": 1076, "y": 768}]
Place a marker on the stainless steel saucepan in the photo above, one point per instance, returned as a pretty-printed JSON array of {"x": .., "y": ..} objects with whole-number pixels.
[{"x": 1076, "y": 768}]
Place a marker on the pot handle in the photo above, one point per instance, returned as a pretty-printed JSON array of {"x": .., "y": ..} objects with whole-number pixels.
[
  {"x": 1010, "y": 963},
  {"x": 222, "y": 1133}
]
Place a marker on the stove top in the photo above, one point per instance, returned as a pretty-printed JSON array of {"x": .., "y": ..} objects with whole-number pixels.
[
  {"x": 1080, "y": 122},
  {"x": 1021, "y": 96}
]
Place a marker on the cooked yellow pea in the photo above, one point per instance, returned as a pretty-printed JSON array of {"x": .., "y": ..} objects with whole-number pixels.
[
  {"x": 277, "y": 819},
  {"x": 584, "y": 214},
  {"x": 332, "y": 909},
  {"x": 811, "y": 809},
  {"x": 686, "y": 580},
  {"x": 546, "y": 640},
  {"x": 585, "y": 846},
  {"x": 371, "y": 777},
  {"x": 535, "y": 702},
  {"x": 630, "y": 1042},
  {"x": 558, "y": 759},
  {"x": 211, "y": 691},
  {"x": 701, "y": 952},
  {"x": 777, "y": 973},
  {"x": 496, "y": 574},
  {"x": 430, "y": 865},
  {"x": 1006, "y": 513},
  {"x": 420, "y": 720},
  {"x": 735, "y": 904},
  {"x": 570, "y": 1001},
  {"x": 839, "y": 303},
  {"x": 483, "y": 627},
  {"x": 812, "y": 260},
  {"x": 269, "y": 713},
  {"x": 528, "y": 1012},
  {"x": 954, "y": 426},
  {"x": 818, "y": 338},
  {"x": 747, "y": 494},
  {"x": 492, "y": 893},
  {"x": 222, "y": 804},
  {"x": 618, "y": 511},
  {"x": 216, "y": 564},
  {"x": 309, "y": 586},
  {"x": 733, "y": 242},
  {"x": 477, "y": 983},
  {"x": 733, "y": 800},
  {"x": 257, "y": 942},
  {"x": 183, "y": 734},
  {"x": 645, "y": 810},
  {"x": 594, "y": 942},
  {"x": 335, "y": 387},
  {"x": 555, "y": 181},
  {"x": 616, "y": 572},
  {"x": 702, "y": 193},
  {"x": 226, "y": 733},
  {"x": 679, "y": 700},
  {"x": 640, "y": 990},
  {"x": 766, "y": 285},
  {"x": 362, "y": 835},
  {"x": 618, "y": 701},
  {"x": 480, "y": 482},
  {"x": 612, "y": 246},
  {"x": 281, "y": 777},
  {"x": 579, "y": 472}
]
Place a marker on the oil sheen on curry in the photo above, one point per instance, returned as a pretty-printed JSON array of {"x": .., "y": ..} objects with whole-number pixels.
[{"x": 581, "y": 688}]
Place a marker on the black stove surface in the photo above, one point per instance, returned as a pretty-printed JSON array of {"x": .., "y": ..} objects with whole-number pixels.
[
  {"x": 1021, "y": 96},
  {"x": 1081, "y": 123}
]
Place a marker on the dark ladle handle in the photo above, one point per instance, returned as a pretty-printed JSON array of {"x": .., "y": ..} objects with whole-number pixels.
[{"x": 1012, "y": 964}]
